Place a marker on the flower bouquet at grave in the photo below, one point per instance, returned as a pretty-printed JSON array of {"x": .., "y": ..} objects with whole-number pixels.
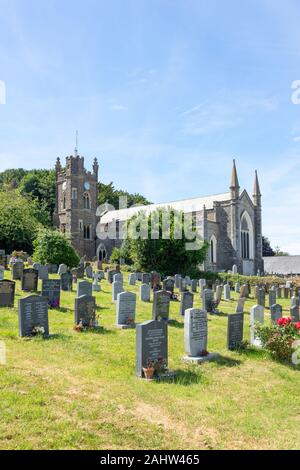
[
  {"x": 79, "y": 327},
  {"x": 130, "y": 321},
  {"x": 153, "y": 368},
  {"x": 279, "y": 338},
  {"x": 149, "y": 370},
  {"x": 54, "y": 303},
  {"x": 38, "y": 331},
  {"x": 215, "y": 304}
]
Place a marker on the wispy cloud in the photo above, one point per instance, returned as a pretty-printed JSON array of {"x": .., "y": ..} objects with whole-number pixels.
[{"x": 118, "y": 107}]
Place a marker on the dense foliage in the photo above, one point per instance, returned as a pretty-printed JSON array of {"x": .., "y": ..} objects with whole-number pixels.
[
  {"x": 51, "y": 246},
  {"x": 165, "y": 254},
  {"x": 280, "y": 337},
  {"x": 266, "y": 246},
  {"x": 107, "y": 193}
]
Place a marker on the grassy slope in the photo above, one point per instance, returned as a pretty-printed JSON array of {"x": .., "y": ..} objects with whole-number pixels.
[{"x": 79, "y": 390}]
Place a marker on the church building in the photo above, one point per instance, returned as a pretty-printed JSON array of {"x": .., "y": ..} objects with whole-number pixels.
[{"x": 231, "y": 222}]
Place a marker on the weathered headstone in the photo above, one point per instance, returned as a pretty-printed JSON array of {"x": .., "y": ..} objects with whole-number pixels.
[
  {"x": 29, "y": 280},
  {"x": 244, "y": 291},
  {"x": 227, "y": 292},
  {"x": 168, "y": 285},
  {"x": 43, "y": 272},
  {"x": 17, "y": 270},
  {"x": 276, "y": 312},
  {"x": 118, "y": 277},
  {"x": 237, "y": 287},
  {"x": 62, "y": 269},
  {"x": 177, "y": 280},
  {"x": 240, "y": 305},
  {"x": 235, "y": 331},
  {"x": 132, "y": 279},
  {"x": 256, "y": 316},
  {"x": 84, "y": 288},
  {"x": 145, "y": 291},
  {"x": 33, "y": 316},
  {"x": 110, "y": 275},
  {"x": 151, "y": 345},
  {"x": 161, "y": 306},
  {"x": 89, "y": 272},
  {"x": 85, "y": 311},
  {"x": 96, "y": 287},
  {"x": 125, "y": 310},
  {"x": 117, "y": 288},
  {"x": 51, "y": 291},
  {"x": 186, "y": 302},
  {"x": 261, "y": 297},
  {"x": 234, "y": 269},
  {"x": 7, "y": 293},
  {"x": 272, "y": 297},
  {"x": 2, "y": 273},
  {"x": 146, "y": 278},
  {"x": 66, "y": 281},
  {"x": 194, "y": 284},
  {"x": 294, "y": 312},
  {"x": 208, "y": 300}
]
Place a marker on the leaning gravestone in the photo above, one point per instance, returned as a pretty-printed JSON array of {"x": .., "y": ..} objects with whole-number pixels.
[
  {"x": 276, "y": 312},
  {"x": 161, "y": 305},
  {"x": 240, "y": 305},
  {"x": 256, "y": 316},
  {"x": 33, "y": 314},
  {"x": 117, "y": 288},
  {"x": 7, "y": 293},
  {"x": 125, "y": 311},
  {"x": 62, "y": 269},
  {"x": 151, "y": 345},
  {"x": 235, "y": 331},
  {"x": 66, "y": 281},
  {"x": 29, "y": 280},
  {"x": 145, "y": 291},
  {"x": 85, "y": 311},
  {"x": 187, "y": 301},
  {"x": 195, "y": 336},
  {"x": 51, "y": 291},
  {"x": 208, "y": 300},
  {"x": 84, "y": 288},
  {"x": 43, "y": 272},
  {"x": 17, "y": 270}
]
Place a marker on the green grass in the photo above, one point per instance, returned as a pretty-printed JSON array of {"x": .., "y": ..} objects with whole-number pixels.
[{"x": 79, "y": 390}]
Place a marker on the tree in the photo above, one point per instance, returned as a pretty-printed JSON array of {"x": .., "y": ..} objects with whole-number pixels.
[
  {"x": 267, "y": 249},
  {"x": 52, "y": 246},
  {"x": 18, "y": 222},
  {"x": 107, "y": 193},
  {"x": 165, "y": 254},
  {"x": 278, "y": 252}
]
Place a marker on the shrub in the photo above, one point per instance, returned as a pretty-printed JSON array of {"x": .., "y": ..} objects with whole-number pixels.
[
  {"x": 279, "y": 337},
  {"x": 51, "y": 246}
]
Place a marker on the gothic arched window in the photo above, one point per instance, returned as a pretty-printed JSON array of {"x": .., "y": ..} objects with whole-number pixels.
[
  {"x": 246, "y": 236},
  {"x": 213, "y": 250},
  {"x": 86, "y": 201},
  {"x": 101, "y": 252},
  {"x": 87, "y": 232}
]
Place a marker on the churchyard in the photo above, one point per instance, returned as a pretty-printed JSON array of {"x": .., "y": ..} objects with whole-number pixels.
[{"x": 79, "y": 388}]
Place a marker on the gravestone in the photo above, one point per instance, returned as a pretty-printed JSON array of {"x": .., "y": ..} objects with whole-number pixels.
[
  {"x": 177, "y": 278},
  {"x": 96, "y": 287},
  {"x": 66, "y": 281},
  {"x": 261, "y": 297},
  {"x": 3, "y": 260},
  {"x": 17, "y": 270},
  {"x": 276, "y": 312},
  {"x": 235, "y": 331},
  {"x": 279, "y": 292},
  {"x": 187, "y": 280},
  {"x": 85, "y": 311},
  {"x": 2, "y": 273},
  {"x": 80, "y": 271},
  {"x": 202, "y": 284},
  {"x": 294, "y": 313},
  {"x": 43, "y": 273},
  {"x": 161, "y": 306},
  {"x": 145, "y": 292},
  {"x": 244, "y": 291},
  {"x": 295, "y": 301},
  {"x": 118, "y": 277},
  {"x": 155, "y": 281},
  {"x": 256, "y": 316},
  {"x": 89, "y": 272},
  {"x": 29, "y": 280},
  {"x": 51, "y": 291},
  {"x": 234, "y": 269},
  {"x": 195, "y": 336},
  {"x": 237, "y": 287},
  {"x": 240, "y": 305},
  {"x": 36, "y": 266},
  {"x": 168, "y": 285},
  {"x": 227, "y": 292},
  {"x": 125, "y": 311},
  {"x": 208, "y": 301},
  {"x": 33, "y": 313},
  {"x": 186, "y": 302},
  {"x": 272, "y": 297},
  {"x": 146, "y": 278},
  {"x": 132, "y": 279},
  {"x": 52, "y": 268},
  {"x": 84, "y": 288},
  {"x": 182, "y": 285},
  {"x": 194, "y": 284},
  {"x": 151, "y": 345},
  {"x": 219, "y": 290},
  {"x": 110, "y": 275},
  {"x": 139, "y": 277},
  {"x": 63, "y": 269},
  {"x": 117, "y": 288},
  {"x": 7, "y": 293}
]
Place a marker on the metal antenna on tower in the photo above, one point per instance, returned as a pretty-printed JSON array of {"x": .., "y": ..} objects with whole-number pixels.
[{"x": 76, "y": 148}]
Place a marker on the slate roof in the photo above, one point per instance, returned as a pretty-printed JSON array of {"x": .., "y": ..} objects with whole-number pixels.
[
  {"x": 282, "y": 264},
  {"x": 186, "y": 205}
]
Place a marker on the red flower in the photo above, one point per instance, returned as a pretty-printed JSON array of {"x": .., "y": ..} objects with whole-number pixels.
[
  {"x": 284, "y": 321},
  {"x": 297, "y": 325}
]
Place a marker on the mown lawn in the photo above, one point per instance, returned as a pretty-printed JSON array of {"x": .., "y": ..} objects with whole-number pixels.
[{"x": 79, "y": 390}]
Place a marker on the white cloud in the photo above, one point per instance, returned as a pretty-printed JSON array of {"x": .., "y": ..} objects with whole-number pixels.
[{"x": 118, "y": 107}]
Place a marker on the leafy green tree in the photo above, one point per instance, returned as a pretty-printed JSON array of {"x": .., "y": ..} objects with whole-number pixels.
[
  {"x": 18, "y": 222},
  {"x": 107, "y": 193},
  {"x": 11, "y": 178},
  {"x": 52, "y": 246},
  {"x": 267, "y": 249},
  {"x": 165, "y": 254}
]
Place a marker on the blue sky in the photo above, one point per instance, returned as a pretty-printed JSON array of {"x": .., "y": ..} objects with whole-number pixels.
[{"x": 164, "y": 92}]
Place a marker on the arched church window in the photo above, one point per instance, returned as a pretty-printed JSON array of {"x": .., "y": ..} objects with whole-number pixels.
[
  {"x": 87, "y": 232},
  {"x": 86, "y": 201},
  {"x": 246, "y": 236},
  {"x": 213, "y": 249},
  {"x": 101, "y": 252}
]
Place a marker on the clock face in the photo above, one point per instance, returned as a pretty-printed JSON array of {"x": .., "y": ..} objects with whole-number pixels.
[
  {"x": 86, "y": 186},
  {"x": 64, "y": 186}
]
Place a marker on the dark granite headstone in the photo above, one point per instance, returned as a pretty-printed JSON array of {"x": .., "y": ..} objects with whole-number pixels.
[
  {"x": 276, "y": 312},
  {"x": 146, "y": 278},
  {"x": 151, "y": 344},
  {"x": 17, "y": 270},
  {"x": 30, "y": 279},
  {"x": 235, "y": 331},
  {"x": 208, "y": 299},
  {"x": 33, "y": 312},
  {"x": 84, "y": 288},
  {"x": 51, "y": 291},
  {"x": 7, "y": 293},
  {"x": 85, "y": 310},
  {"x": 66, "y": 281},
  {"x": 294, "y": 312},
  {"x": 187, "y": 301},
  {"x": 169, "y": 284}
]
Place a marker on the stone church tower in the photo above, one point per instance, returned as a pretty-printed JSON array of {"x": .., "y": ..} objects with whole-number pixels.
[{"x": 76, "y": 203}]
